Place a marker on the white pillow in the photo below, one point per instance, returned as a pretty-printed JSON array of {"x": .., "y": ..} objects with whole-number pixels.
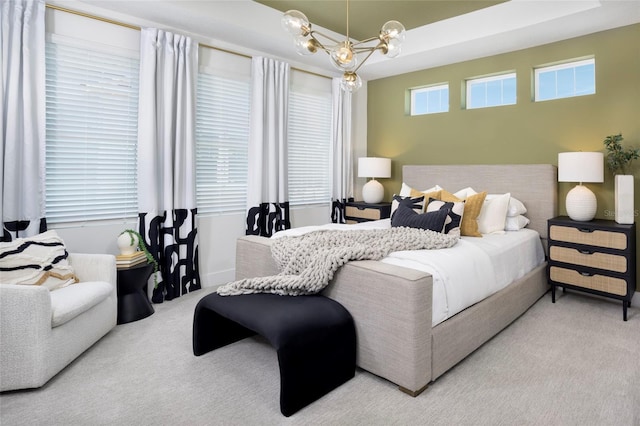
[
  {"x": 515, "y": 223},
  {"x": 405, "y": 190},
  {"x": 493, "y": 214},
  {"x": 516, "y": 207},
  {"x": 38, "y": 260},
  {"x": 465, "y": 192}
]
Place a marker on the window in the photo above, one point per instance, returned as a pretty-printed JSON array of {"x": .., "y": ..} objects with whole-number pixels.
[
  {"x": 491, "y": 91},
  {"x": 430, "y": 100},
  {"x": 91, "y": 131},
  {"x": 222, "y": 140},
  {"x": 309, "y": 139},
  {"x": 565, "y": 80}
]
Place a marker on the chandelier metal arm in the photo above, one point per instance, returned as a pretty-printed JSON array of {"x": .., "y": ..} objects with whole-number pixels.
[
  {"x": 357, "y": 43},
  {"x": 365, "y": 59},
  {"x": 313, "y": 34}
]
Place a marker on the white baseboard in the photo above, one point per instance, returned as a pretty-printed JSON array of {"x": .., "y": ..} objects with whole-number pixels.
[{"x": 216, "y": 279}]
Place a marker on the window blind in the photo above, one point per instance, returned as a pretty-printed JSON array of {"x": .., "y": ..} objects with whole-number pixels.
[
  {"x": 222, "y": 141},
  {"x": 309, "y": 147},
  {"x": 91, "y": 133}
]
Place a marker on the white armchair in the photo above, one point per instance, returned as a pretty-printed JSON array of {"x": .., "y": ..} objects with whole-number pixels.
[{"x": 42, "y": 331}]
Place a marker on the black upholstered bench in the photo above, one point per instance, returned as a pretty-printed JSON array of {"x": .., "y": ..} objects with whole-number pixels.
[{"x": 313, "y": 335}]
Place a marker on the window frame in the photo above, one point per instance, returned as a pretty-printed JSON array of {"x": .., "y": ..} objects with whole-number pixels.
[
  {"x": 438, "y": 87},
  {"x": 570, "y": 64},
  {"x": 507, "y": 75}
]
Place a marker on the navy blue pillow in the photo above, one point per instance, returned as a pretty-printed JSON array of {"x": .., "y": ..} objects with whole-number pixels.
[
  {"x": 415, "y": 203},
  {"x": 406, "y": 216}
]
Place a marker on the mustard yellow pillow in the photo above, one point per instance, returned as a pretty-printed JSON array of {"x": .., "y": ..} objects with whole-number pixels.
[
  {"x": 435, "y": 195},
  {"x": 472, "y": 207}
]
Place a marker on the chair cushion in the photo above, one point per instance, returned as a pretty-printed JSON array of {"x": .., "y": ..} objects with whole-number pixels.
[{"x": 69, "y": 302}]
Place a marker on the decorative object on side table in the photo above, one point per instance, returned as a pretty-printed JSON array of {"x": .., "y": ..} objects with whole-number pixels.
[
  {"x": 581, "y": 167},
  {"x": 597, "y": 257},
  {"x": 619, "y": 160},
  {"x": 135, "y": 264},
  {"x": 373, "y": 167},
  {"x": 134, "y": 251}
]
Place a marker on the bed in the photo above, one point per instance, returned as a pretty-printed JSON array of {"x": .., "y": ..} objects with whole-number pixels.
[{"x": 392, "y": 305}]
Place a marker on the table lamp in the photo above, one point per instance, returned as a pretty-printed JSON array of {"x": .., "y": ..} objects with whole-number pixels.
[
  {"x": 373, "y": 167},
  {"x": 581, "y": 167}
]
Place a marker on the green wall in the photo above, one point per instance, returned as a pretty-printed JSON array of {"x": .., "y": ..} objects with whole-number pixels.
[{"x": 528, "y": 132}]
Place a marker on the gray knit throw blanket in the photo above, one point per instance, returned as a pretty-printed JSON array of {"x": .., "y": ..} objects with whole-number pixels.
[{"x": 309, "y": 261}]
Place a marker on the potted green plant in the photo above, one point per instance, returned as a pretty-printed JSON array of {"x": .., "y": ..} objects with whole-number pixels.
[
  {"x": 130, "y": 241},
  {"x": 619, "y": 161}
]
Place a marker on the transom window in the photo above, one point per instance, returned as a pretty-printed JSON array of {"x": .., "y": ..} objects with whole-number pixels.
[
  {"x": 491, "y": 91},
  {"x": 430, "y": 100},
  {"x": 577, "y": 78}
]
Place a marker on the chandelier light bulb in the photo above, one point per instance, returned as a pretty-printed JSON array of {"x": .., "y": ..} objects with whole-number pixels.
[
  {"x": 305, "y": 45},
  {"x": 393, "y": 30},
  {"x": 350, "y": 82},
  {"x": 393, "y": 48},
  {"x": 343, "y": 57},
  {"x": 295, "y": 23}
]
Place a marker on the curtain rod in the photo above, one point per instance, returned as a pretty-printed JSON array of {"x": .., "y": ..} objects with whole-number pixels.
[{"x": 138, "y": 28}]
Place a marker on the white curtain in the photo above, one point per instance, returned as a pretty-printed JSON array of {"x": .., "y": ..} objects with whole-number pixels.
[
  {"x": 341, "y": 153},
  {"x": 267, "y": 193},
  {"x": 22, "y": 118},
  {"x": 166, "y": 159}
]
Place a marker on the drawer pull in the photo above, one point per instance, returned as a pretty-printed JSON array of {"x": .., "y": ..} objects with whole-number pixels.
[
  {"x": 585, "y": 251},
  {"x": 586, "y": 274},
  {"x": 587, "y": 230}
]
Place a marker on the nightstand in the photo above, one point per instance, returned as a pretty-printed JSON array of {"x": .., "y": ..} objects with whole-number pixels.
[
  {"x": 597, "y": 257},
  {"x": 359, "y": 211}
]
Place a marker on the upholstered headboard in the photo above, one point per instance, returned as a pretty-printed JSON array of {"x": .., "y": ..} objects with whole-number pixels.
[{"x": 536, "y": 185}]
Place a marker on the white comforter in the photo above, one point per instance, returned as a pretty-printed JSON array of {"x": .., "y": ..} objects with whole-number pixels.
[{"x": 472, "y": 270}]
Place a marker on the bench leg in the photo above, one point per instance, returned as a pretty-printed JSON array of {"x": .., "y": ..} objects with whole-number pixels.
[
  {"x": 311, "y": 369},
  {"x": 212, "y": 331}
]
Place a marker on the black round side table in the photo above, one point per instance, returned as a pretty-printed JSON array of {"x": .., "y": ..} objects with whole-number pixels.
[{"x": 133, "y": 303}]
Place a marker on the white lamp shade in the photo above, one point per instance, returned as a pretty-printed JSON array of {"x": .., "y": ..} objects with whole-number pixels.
[
  {"x": 374, "y": 167},
  {"x": 581, "y": 167}
]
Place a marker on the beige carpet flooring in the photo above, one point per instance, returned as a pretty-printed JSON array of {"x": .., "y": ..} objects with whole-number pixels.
[{"x": 570, "y": 363}]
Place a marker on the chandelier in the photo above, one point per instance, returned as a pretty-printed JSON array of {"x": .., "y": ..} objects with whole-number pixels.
[{"x": 343, "y": 54}]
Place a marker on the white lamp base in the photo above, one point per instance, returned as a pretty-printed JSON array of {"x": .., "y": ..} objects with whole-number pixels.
[
  {"x": 581, "y": 204},
  {"x": 372, "y": 192}
]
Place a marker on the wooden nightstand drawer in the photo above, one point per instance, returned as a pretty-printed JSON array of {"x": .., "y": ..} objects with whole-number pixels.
[
  {"x": 589, "y": 236},
  {"x": 597, "y": 282},
  {"x": 371, "y": 214},
  {"x": 357, "y": 211},
  {"x": 592, "y": 259}
]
